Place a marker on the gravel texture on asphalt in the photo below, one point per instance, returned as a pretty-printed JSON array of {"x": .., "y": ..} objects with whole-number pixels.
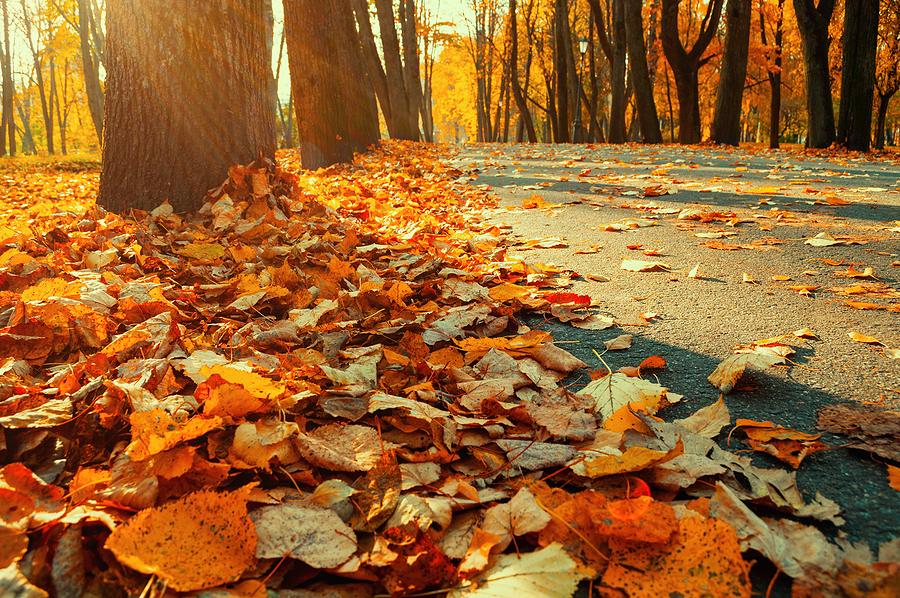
[{"x": 780, "y": 198}]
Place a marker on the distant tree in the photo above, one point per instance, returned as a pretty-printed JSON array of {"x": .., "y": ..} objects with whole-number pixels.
[
  {"x": 8, "y": 128},
  {"x": 686, "y": 63},
  {"x": 773, "y": 71},
  {"x": 528, "y": 123},
  {"x": 640, "y": 73},
  {"x": 887, "y": 72},
  {"x": 186, "y": 98},
  {"x": 38, "y": 55},
  {"x": 813, "y": 20},
  {"x": 860, "y": 44},
  {"x": 614, "y": 45},
  {"x": 726, "y": 124},
  {"x": 333, "y": 99}
]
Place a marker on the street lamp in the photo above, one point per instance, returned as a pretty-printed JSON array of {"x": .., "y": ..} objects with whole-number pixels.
[{"x": 578, "y": 132}]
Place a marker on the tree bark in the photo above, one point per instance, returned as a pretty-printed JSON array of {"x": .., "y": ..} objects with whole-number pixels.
[
  {"x": 8, "y": 130},
  {"x": 333, "y": 99},
  {"x": 813, "y": 23},
  {"x": 613, "y": 44},
  {"x": 91, "y": 68},
  {"x": 640, "y": 73},
  {"x": 774, "y": 75},
  {"x": 562, "y": 72},
  {"x": 726, "y": 125},
  {"x": 171, "y": 134},
  {"x": 46, "y": 106},
  {"x": 370, "y": 55},
  {"x": 858, "y": 74},
  {"x": 399, "y": 125},
  {"x": 411, "y": 63},
  {"x": 686, "y": 64},
  {"x": 527, "y": 121}
]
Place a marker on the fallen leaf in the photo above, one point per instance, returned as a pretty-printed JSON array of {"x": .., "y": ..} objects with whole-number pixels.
[
  {"x": 199, "y": 541},
  {"x": 894, "y": 474},
  {"x": 823, "y": 240},
  {"x": 309, "y": 533},
  {"x": 862, "y": 338},
  {"x": 642, "y": 266},
  {"x": 619, "y": 343},
  {"x": 731, "y": 369}
]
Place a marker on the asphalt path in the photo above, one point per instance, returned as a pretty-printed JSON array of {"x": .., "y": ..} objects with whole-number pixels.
[{"x": 765, "y": 204}]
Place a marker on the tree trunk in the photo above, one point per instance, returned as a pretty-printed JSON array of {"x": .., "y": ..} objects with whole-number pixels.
[
  {"x": 514, "y": 73},
  {"x": 562, "y": 72},
  {"x": 726, "y": 125},
  {"x": 91, "y": 69},
  {"x": 399, "y": 125},
  {"x": 24, "y": 108},
  {"x": 62, "y": 115},
  {"x": 883, "y": 100},
  {"x": 333, "y": 99},
  {"x": 373, "y": 63},
  {"x": 171, "y": 134},
  {"x": 813, "y": 23},
  {"x": 774, "y": 75},
  {"x": 613, "y": 44},
  {"x": 46, "y": 107},
  {"x": 640, "y": 73},
  {"x": 858, "y": 74},
  {"x": 411, "y": 63},
  {"x": 686, "y": 64},
  {"x": 9, "y": 120}
]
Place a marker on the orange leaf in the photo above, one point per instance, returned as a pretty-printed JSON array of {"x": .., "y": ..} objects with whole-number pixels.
[
  {"x": 654, "y": 361},
  {"x": 894, "y": 477},
  {"x": 862, "y": 338},
  {"x": 199, "y": 541}
]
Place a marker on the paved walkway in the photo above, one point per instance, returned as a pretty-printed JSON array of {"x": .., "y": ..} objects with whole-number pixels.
[{"x": 739, "y": 216}]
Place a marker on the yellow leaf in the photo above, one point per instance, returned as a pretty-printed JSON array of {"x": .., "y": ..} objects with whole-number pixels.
[
  {"x": 862, "y": 338},
  {"x": 202, "y": 540}
]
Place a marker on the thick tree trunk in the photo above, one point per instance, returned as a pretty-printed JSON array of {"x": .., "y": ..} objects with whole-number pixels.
[
  {"x": 640, "y": 73},
  {"x": 813, "y": 23},
  {"x": 858, "y": 74},
  {"x": 514, "y": 72},
  {"x": 333, "y": 99},
  {"x": 91, "y": 69},
  {"x": 562, "y": 72},
  {"x": 171, "y": 134},
  {"x": 399, "y": 125},
  {"x": 686, "y": 64},
  {"x": 726, "y": 125}
]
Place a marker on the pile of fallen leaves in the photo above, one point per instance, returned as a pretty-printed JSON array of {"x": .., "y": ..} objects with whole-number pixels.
[{"x": 319, "y": 385}]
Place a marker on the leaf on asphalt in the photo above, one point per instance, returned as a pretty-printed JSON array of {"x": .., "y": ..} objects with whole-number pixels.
[
  {"x": 823, "y": 240},
  {"x": 695, "y": 272},
  {"x": 198, "y": 541},
  {"x": 545, "y": 573},
  {"x": 729, "y": 371},
  {"x": 642, "y": 266},
  {"x": 894, "y": 475},
  {"x": 862, "y": 338},
  {"x": 619, "y": 343},
  {"x": 312, "y": 534},
  {"x": 593, "y": 322},
  {"x": 876, "y": 429},
  {"x": 788, "y": 445}
]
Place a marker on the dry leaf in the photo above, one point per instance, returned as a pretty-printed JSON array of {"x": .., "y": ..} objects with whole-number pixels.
[
  {"x": 642, "y": 266},
  {"x": 199, "y": 541},
  {"x": 619, "y": 343},
  {"x": 729, "y": 371},
  {"x": 862, "y": 338}
]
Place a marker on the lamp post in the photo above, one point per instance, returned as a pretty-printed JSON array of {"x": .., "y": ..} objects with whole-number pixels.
[{"x": 578, "y": 133}]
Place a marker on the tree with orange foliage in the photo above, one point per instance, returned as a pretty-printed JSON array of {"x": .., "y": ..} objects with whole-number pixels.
[{"x": 686, "y": 63}]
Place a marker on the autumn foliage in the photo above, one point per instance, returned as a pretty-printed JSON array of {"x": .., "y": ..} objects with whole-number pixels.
[{"x": 321, "y": 382}]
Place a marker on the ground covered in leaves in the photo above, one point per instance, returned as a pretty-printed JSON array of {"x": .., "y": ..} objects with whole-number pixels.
[{"x": 320, "y": 384}]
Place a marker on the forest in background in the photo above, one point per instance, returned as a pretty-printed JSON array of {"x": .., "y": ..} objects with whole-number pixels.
[{"x": 456, "y": 79}]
